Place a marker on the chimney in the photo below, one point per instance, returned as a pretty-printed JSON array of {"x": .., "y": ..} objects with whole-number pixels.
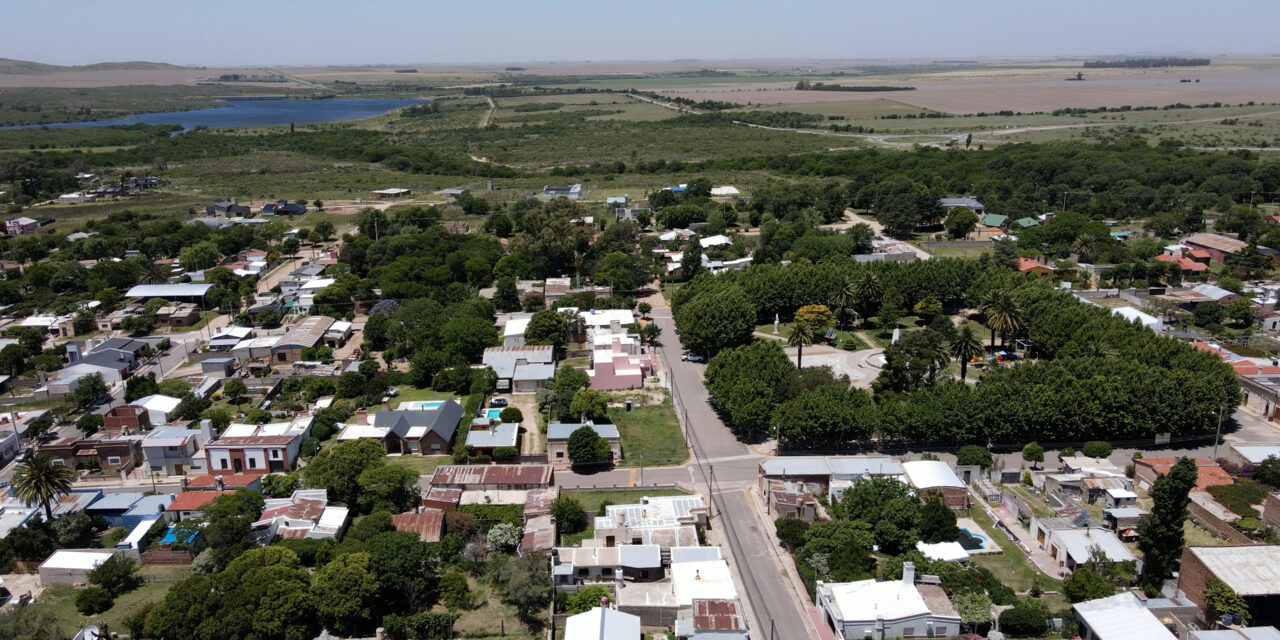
[
  {"x": 386, "y": 403},
  {"x": 73, "y": 352},
  {"x": 362, "y": 416},
  {"x": 908, "y": 573},
  {"x": 206, "y": 429},
  {"x": 604, "y": 602}
]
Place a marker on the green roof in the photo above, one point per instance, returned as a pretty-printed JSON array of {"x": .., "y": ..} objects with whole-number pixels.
[
  {"x": 1026, "y": 222},
  {"x": 995, "y": 220}
]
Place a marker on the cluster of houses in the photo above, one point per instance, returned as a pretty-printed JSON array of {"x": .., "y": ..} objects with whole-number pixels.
[
  {"x": 618, "y": 360},
  {"x": 130, "y": 186}
]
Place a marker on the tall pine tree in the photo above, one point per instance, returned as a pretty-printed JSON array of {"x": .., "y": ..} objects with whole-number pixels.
[{"x": 1160, "y": 534}]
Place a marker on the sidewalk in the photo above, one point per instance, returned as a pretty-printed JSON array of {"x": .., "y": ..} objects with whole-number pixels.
[{"x": 1025, "y": 541}]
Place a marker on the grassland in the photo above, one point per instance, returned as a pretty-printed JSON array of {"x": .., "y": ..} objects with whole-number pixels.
[
  {"x": 650, "y": 435},
  {"x": 422, "y": 465},
  {"x": 60, "y": 601}
]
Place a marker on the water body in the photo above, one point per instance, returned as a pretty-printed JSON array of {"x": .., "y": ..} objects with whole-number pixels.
[{"x": 252, "y": 112}]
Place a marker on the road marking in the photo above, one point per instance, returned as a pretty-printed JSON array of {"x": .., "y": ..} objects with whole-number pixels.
[{"x": 632, "y": 481}]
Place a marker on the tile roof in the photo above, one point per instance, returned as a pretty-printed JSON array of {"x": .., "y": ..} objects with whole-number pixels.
[
  {"x": 194, "y": 500},
  {"x": 1208, "y": 473},
  {"x": 1215, "y": 241}
]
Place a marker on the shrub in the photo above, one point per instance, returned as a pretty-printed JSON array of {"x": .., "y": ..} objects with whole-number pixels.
[
  {"x": 511, "y": 414},
  {"x": 1066, "y": 452},
  {"x": 1240, "y": 497},
  {"x": 94, "y": 600},
  {"x": 586, "y": 599},
  {"x": 505, "y": 453},
  {"x": 118, "y": 575},
  {"x": 454, "y": 592},
  {"x": 791, "y": 532},
  {"x": 569, "y": 514},
  {"x": 1029, "y": 617},
  {"x": 973, "y": 454},
  {"x": 1096, "y": 449}
]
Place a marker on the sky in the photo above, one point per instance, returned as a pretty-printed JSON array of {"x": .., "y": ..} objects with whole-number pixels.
[{"x": 327, "y": 32}]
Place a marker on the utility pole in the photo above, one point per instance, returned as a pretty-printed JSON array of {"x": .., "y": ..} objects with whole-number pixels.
[{"x": 1217, "y": 436}]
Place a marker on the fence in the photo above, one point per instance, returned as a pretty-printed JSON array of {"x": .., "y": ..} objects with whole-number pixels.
[{"x": 1222, "y": 528}]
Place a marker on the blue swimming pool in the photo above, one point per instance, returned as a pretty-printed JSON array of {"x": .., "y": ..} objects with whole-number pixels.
[
  {"x": 421, "y": 405},
  {"x": 972, "y": 541},
  {"x": 492, "y": 414}
]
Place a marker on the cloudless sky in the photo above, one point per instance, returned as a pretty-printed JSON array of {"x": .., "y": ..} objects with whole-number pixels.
[{"x": 322, "y": 32}]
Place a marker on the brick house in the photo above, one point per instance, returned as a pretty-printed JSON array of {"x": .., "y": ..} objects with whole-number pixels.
[
  {"x": 1252, "y": 571},
  {"x": 261, "y": 449},
  {"x": 128, "y": 418},
  {"x": 1208, "y": 473},
  {"x": 113, "y": 451}
]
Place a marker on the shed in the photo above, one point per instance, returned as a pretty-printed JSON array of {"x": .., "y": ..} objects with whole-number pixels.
[{"x": 71, "y": 566}]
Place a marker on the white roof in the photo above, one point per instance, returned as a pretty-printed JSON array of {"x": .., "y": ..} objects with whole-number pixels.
[
  {"x": 233, "y": 332},
  {"x": 515, "y": 327},
  {"x": 1258, "y": 452},
  {"x": 944, "y": 551},
  {"x": 333, "y": 517},
  {"x": 76, "y": 559},
  {"x": 168, "y": 290},
  {"x": 360, "y": 431},
  {"x": 709, "y": 579},
  {"x": 264, "y": 342},
  {"x": 1121, "y": 493},
  {"x": 1080, "y": 543},
  {"x": 393, "y": 191},
  {"x": 1121, "y": 617},
  {"x": 1213, "y": 292},
  {"x": 341, "y": 326},
  {"x": 317, "y": 283},
  {"x": 867, "y": 600},
  {"x": 714, "y": 241},
  {"x": 602, "y": 624},
  {"x": 1131, "y": 314},
  {"x": 135, "y": 537},
  {"x": 724, "y": 191},
  {"x": 931, "y": 474},
  {"x": 1250, "y": 570},
  {"x": 159, "y": 402},
  {"x": 606, "y": 317}
]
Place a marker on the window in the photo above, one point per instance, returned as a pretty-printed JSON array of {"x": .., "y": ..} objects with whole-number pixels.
[
  {"x": 172, "y": 449},
  {"x": 253, "y": 463},
  {"x": 607, "y": 572},
  {"x": 275, "y": 454},
  {"x": 58, "y": 462},
  {"x": 224, "y": 463},
  {"x": 907, "y": 632},
  {"x": 941, "y": 632},
  {"x": 113, "y": 460},
  {"x": 435, "y": 448},
  {"x": 559, "y": 454}
]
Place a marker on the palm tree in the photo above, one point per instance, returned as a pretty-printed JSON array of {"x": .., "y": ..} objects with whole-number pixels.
[
  {"x": 965, "y": 347},
  {"x": 154, "y": 273},
  {"x": 1009, "y": 318},
  {"x": 1084, "y": 245},
  {"x": 39, "y": 481},
  {"x": 868, "y": 287},
  {"x": 845, "y": 297},
  {"x": 990, "y": 309},
  {"x": 801, "y": 335}
]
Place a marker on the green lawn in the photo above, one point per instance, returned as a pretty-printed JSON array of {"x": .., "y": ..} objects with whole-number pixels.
[
  {"x": 61, "y": 600},
  {"x": 1010, "y": 565},
  {"x": 575, "y": 539},
  {"x": 204, "y": 320},
  {"x": 650, "y": 435},
  {"x": 409, "y": 393},
  {"x": 841, "y": 338},
  {"x": 884, "y": 337},
  {"x": 580, "y": 363},
  {"x": 423, "y": 465},
  {"x": 591, "y": 500}
]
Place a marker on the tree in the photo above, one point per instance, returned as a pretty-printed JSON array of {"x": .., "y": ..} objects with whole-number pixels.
[
  {"x": 547, "y": 327},
  {"x": 1004, "y": 315},
  {"x": 1034, "y": 453},
  {"x": 269, "y": 317},
  {"x": 527, "y": 584},
  {"x": 965, "y": 347},
  {"x": 815, "y": 316},
  {"x": 454, "y": 591},
  {"x": 346, "y": 594},
  {"x": 325, "y": 229},
  {"x": 94, "y": 600},
  {"x": 644, "y": 308},
  {"x": 1029, "y": 617},
  {"x": 791, "y": 532},
  {"x": 586, "y": 599},
  {"x": 338, "y": 468},
  {"x": 235, "y": 390},
  {"x": 200, "y": 256},
  {"x": 1241, "y": 311},
  {"x": 89, "y": 423},
  {"x": 506, "y": 297},
  {"x": 88, "y": 391},
  {"x": 717, "y": 320},
  {"x": 937, "y": 520},
  {"x": 800, "y": 336},
  {"x": 587, "y": 448},
  {"x": 387, "y": 487},
  {"x": 928, "y": 309},
  {"x": 503, "y": 537},
  {"x": 13, "y": 360},
  {"x": 566, "y": 384},
  {"x": 1160, "y": 535},
  {"x": 1096, "y": 449},
  {"x": 1222, "y": 599},
  {"x": 118, "y": 575},
  {"x": 960, "y": 221},
  {"x": 280, "y": 486},
  {"x": 1083, "y": 584},
  {"x": 40, "y": 482},
  {"x": 589, "y": 405},
  {"x": 972, "y": 454},
  {"x": 1207, "y": 313},
  {"x": 974, "y": 608},
  {"x": 569, "y": 514}
]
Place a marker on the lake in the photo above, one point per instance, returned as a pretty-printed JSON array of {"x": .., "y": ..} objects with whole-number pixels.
[{"x": 253, "y": 112}]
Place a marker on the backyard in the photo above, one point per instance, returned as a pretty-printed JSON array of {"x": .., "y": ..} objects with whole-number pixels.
[
  {"x": 409, "y": 393},
  {"x": 61, "y": 600},
  {"x": 592, "y": 501}
]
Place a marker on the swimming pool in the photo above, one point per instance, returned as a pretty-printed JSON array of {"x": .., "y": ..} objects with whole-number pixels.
[
  {"x": 972, "y": 541},
  {"x": 421, "y": 405},
  {"x": 492, "y": 414}
]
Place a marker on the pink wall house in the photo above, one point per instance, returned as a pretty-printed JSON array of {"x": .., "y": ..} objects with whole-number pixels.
[{"x": 613, "y": 369}]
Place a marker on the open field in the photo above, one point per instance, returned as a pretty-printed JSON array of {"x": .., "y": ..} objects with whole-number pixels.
[{"x": 650, "y": 435}]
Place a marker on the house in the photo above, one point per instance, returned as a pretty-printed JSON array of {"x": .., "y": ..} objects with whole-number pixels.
[
  {"x": 521, "y": 369},
  {"x": 390, "y": 193},
  {"x": 175, "y": 451},
  {"x": 994, "y": 220},
  {"x": 283, "y": 208},
  {"x": 128, "y": 418},
  {"x": 1217, "y": 246},
  {"x": 715, "y": 619},
  {"x": 613, "y": 368},
  {"x": 602, "y": 623},
  {"x": 221, "y": 482},
  {"x": 226, "y": 338},
  {"x": 1188, "y": 266},
  {"x": 306, "y": 514},
  {"x": 1034, "y": 267},
  {"x": 967, "y": 201},
  {"x": 1124, "y": 521},
  {"x": 1206, "y": 292},
  {"x": 492, "y": 477},
  {"x": 427, "y": 523},
  {"x": 128, "y": 509},
  {"x": 19, "y": 226},
  {"x": 227, "y": 209},
  {"x": 338, "y": 334},
  {"x": 1132, "y": 314},
  {"x": 558, "y": 440},
  {"x": 1074, "y": 547},
  {"x": 304, "y": 335},
  {"x": 182, "y": 314},
  {"x": 218, "y": 367},
  {"x": 424, "y": 431},
  {"x": 1252, "y": 571},
  {"x": 829, "y": 475},
  {"x": 1119, "y": 617},
  {"x": 15, "y": 513},
  {"x": 259, "y": 348},
  {"x": 188, "y": 504},
  {"x": 67, "y": 567},
  {"x": 935, "y": 475},
  {"x": 306, "y": 293},
  {"x": 1208, "y": 473},
  {"x": 1251, "y": 453},
  {"x": 159, "y": 407},
  {"x": 714, "y": 241},
  {"x": 513, "y": 331},
  {"x": 258, "y": 449},
  {"x": 572, "y": 192},
  {"x": 76, "y": 197},
  {"x": 788, "y": 499},
  {"x": 486, "y": 435},
  {"x": 188, "y": 292},
  {"x": 112, "y": 451},
  {"x": 884, "y": 610}
]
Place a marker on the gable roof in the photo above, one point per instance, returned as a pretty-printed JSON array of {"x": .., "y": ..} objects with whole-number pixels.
[
  {"x": 562, "y": 430},
  {"x": 442, "y": 420},
  {"x": 994, "y": 220},
  {"x": 602, "y": 624},
  {"x": 1215, "y": 241},
  {"x": 427, "y": 524},
  {"x": 194, "y": 500}
]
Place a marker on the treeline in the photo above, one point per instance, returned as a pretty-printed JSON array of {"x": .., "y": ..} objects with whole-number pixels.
[
  {"x": 805, "y": 85},
  {"x": 782, "y": 119},
  {"x": 1095, "y": 377},
  {"x": 1146, "y": 63}
]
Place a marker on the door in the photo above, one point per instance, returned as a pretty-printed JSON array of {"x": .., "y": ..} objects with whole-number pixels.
[
  {"x": 177, "y": 470},
  {"x": 238, "y": 465}
]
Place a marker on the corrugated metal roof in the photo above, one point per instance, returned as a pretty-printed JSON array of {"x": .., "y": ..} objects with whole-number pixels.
[
  {"x": 186, "y": 290},
  {"x": 562, "y": 430},
  {"x": 931, "y": 474},
  {"x": 1250, "y": 570},
  {"x": 1122, "y": 617}
]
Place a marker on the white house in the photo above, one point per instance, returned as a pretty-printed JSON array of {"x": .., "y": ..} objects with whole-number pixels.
[
  {"x": 883, "y": 610},
  {"x": 1119, "y": 617}
]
